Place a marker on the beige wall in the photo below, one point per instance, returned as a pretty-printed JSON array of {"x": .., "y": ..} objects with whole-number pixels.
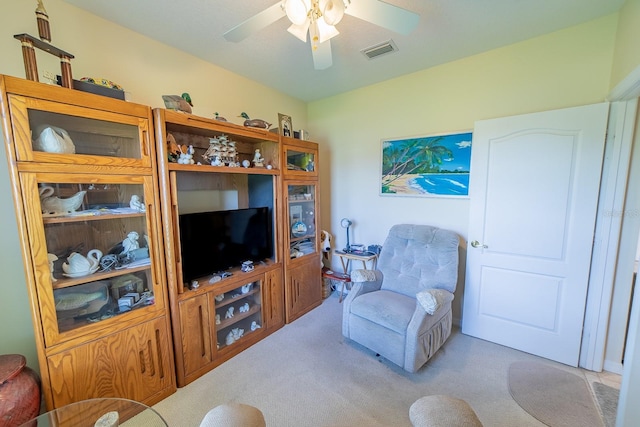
[
  {"x": 147, "y": 70},
  {"x": 567, "y": 68}
]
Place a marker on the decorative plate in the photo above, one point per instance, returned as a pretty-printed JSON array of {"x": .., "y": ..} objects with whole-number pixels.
[{"x": 299, "y": 229}]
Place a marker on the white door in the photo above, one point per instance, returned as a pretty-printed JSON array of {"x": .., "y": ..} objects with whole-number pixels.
[{"x": 533, "y": 197}]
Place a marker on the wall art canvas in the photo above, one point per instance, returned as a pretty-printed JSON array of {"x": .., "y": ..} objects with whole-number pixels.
[{"x": 431, "y": 166}]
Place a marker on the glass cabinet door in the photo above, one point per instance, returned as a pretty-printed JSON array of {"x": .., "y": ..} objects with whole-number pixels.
[
  {"x": 302, "y": 221},
  {"x": 91, "y": 241},
  {"x": 238, "y": 313},
  {"x": 301, "y": 158},
  {"x": 51, "y": 132}
]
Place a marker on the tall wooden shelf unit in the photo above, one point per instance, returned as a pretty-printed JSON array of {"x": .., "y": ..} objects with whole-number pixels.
[
  {"x": 88, "y": 344},
  {"x": 200, "y": 341},
  {"x": 302, "y": 266}
]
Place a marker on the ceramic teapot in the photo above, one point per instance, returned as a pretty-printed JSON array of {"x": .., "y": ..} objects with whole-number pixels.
[{"x": 78, "y": 265}]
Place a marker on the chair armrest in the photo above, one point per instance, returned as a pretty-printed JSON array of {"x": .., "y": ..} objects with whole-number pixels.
[
  {"x": 365, "y": 281},
  {"x": 432, "y": 299},
  {"x": 357, "y": 289},
  {"x": 366, "y": 276}
]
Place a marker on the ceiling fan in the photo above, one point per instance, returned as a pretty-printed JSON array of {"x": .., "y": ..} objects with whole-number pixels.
[{"x": 319, "y": 17}]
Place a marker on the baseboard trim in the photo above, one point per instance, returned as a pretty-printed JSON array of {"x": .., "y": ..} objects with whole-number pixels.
[{"x": 613, "y": 367}]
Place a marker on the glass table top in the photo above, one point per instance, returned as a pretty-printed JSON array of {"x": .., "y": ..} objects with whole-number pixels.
[{"x": 103, "y": 412}]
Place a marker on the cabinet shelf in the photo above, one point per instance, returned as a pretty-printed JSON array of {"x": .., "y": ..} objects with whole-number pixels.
[
  {"x": 89, "y": 215},
  {"x": 312, "y": 200},
  {"x": 196, "y": 125},
  {"x": 222, "y": 169},
  {"x": 230, "y": 299},
  {"x": 237, "y": 317},
  {"x": 71, "y": 324},
  {"x": 66, "y": 282},
  {"x": 244, "y": 337},
  {"x": 299, "y": 239}
]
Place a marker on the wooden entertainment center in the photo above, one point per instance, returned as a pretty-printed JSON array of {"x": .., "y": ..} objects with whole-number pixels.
[{"x": 108, "y": 324}]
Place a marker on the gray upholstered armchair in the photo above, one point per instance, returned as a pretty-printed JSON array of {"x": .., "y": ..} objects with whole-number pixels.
[{"x": 402, "y": 311}]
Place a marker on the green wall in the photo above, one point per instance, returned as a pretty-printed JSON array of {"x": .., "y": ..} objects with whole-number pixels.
[
  {"x": 627, "y": 50},
  {"x": 566, "y": 68}
]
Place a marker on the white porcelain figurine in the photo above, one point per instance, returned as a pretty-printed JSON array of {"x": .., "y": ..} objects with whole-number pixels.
[
  {"x": 258, "y": 160},
  {"x": 136, "y": 204},
  {"x": 78, "y": 266},
  {"x": 53, "y": 139},
  {"x": 52, "y": 258},
  {"x": 244, "y": 308},
  {"x": 230, "y": 339},
  {"x": 54, "y": 205},
  {"x": 229, "y": 313},
  {"x": 130, "y": 243}
]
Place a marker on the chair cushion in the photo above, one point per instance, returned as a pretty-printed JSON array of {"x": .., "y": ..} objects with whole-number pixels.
[
  {"x": 386, "y": 308},
  {"x": 419, "y": 257}
]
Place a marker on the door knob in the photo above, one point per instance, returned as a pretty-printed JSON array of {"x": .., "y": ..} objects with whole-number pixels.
[{"x": 477, "y": 244}]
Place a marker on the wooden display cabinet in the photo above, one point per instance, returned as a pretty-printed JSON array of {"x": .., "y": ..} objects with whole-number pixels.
[
  {"x": 302, "y": 264},
  {"x": 301, "y": 158},
  {"x": 84, "y": 187},
  {"x": 204, "y": 336}
]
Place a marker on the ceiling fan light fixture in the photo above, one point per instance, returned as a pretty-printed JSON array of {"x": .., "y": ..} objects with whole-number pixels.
[
  {"x": 300, "y": 31},
  {"x": 325, "y": 31},
  {"x": 332, "y": 11},
  {"x": 297, "y": 10},
  {"x": 314, "y": 35}
]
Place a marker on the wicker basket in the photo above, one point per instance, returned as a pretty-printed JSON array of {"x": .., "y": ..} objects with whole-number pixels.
[
  {"x": 19, "y": 391},
  {"x": 328, "y": 286}
]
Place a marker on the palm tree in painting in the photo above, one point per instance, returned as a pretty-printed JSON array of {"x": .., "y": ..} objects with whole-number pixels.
[{"x": 411, "y": 156}]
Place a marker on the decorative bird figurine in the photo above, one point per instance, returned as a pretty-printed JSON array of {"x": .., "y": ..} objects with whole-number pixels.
[
  {"x": 52, "y": 139},
  {"x": 53, "y": 205},
  {"x": 219, "y": 117},
  {"x": 254, "y": 123},
  {"x": 178, "y": 103}
]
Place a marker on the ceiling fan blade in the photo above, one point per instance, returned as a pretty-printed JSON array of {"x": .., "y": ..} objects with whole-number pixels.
[
  {"x": 322, "y": 56},
  {"x": 255, "y": 23},
  {"x": 384, "y": 15}
]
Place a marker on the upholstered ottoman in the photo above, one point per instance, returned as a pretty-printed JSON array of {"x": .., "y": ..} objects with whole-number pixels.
[
  {"x": 233, "y": 415},
  {"x": 442, "y": 411}
]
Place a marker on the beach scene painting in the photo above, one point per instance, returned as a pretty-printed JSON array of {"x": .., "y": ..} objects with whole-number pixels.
[{"x": 435, "y": 166}]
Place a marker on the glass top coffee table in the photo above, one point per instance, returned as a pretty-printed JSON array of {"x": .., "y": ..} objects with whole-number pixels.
[{"x": 103, "y": 412}]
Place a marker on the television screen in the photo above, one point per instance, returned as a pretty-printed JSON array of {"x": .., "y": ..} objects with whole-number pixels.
[{"x": 216, "y": 241}]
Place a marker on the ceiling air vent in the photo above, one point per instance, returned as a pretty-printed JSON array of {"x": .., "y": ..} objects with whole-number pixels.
[{"x": 380, "y": 49}]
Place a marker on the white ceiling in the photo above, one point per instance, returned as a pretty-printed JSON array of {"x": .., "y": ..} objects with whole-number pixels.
[{"x": 448, "y": 30}]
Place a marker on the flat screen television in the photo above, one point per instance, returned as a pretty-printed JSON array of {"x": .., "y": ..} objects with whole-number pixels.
[{"x": 212, "y": 242}]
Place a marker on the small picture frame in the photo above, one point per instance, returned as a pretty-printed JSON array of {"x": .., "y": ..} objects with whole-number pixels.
[
  {"x": 286, "y": 128},
  {"x": 295, "y": 213}
]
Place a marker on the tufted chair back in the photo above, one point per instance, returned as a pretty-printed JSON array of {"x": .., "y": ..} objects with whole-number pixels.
[{"x": 419, "y": 257}]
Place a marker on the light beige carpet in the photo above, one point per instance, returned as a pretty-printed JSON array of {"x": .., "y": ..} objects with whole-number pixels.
[
  {"x": 552, "y": 395},
  {"x": 308, "y": 374}
]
